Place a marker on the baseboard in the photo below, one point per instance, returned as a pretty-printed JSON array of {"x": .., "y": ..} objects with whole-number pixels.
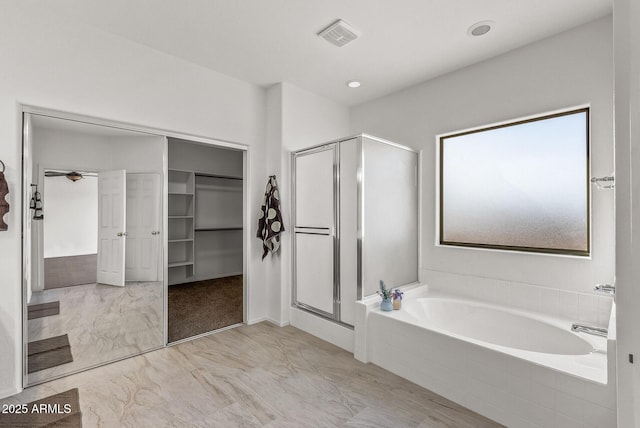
[
  {"x": 257, "y": 320},
  {"x": 277, "y": 323},
  {"x": 269, "y": 320},
  {"x": 9, "y": 392},
  {"x": 205, "y": 278}
]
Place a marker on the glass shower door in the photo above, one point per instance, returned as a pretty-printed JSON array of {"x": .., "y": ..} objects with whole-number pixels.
[{"x": 315, "y": 230}]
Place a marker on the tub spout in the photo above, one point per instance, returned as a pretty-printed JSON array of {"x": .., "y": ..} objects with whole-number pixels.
[
  {"x": 605, "y": 288},
  {"x": 590, "y": 330}
]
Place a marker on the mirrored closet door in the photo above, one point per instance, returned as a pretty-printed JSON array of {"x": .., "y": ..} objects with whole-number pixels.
[{"x": 94, "y": 275}]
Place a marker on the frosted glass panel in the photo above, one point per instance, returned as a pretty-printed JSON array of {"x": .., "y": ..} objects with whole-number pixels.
[
  {"x": 314, "y": 271},
  {"x": 314, "y": 189},
  {"x": 522, "y": 186},
  {"x": 390, "y": 226}
]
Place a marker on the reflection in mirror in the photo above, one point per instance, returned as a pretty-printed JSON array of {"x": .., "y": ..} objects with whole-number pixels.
[{"x": 95, "y": 293}]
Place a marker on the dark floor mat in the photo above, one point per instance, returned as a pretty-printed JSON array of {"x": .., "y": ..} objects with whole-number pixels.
[
  {"x": 43, "y": 310},
  {"x": 47, "y": 353},
  {"x": 203, "y": 306},
  {"x": 60, "y": 410}
]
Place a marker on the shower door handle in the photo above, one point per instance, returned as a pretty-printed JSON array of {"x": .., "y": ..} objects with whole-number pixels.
[{"x": 325, "y": 231}]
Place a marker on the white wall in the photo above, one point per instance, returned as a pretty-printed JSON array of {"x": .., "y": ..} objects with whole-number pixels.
[
  {"x": 56, "y": 149},
  {"x": 71, "y": 220},
  {"x": 204, "y": 158},
  {"x": 566, "y": 70},
  {"x": 61, "y": 65},
  {"x": 63, "y": 149},
  {"x": 137, "y": 154},
  {"x": 627, "y": 129},
  {"x": 297, "y": 119}
]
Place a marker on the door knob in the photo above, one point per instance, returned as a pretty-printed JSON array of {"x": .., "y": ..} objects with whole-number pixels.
[
  {"x": 122, "y": 233},
  {"x": 155, "y": 232}
]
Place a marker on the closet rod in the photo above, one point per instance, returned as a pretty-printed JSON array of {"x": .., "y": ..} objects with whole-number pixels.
[{"x": 228, "y": 177}]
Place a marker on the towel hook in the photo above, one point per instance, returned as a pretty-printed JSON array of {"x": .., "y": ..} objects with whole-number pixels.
[{"x": 2, "y": 166}]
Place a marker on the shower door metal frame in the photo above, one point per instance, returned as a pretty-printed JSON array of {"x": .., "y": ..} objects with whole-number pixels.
[
  {"x": 334, "y": 232},
  {"x": 360, "y": 224},
  {"x": 360, "y": 178}
]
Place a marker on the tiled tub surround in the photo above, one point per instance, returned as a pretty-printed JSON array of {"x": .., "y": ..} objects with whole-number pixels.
[
  {"x": 589, "y": 308},
  {"x": 515, "y": 387}
]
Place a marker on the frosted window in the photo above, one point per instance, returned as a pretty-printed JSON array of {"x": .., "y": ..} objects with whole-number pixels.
[{"x": 520, "y": 186}]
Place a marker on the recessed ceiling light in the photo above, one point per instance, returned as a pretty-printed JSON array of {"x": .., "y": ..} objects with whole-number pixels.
[
  {"x": 480, "y": 28},
  {"x": 353, "y": 84}
]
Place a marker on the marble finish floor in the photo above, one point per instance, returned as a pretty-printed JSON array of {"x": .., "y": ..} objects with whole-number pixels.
[
  {"x": 253, "y": 376},
  {"x": 103, "y": 323}
]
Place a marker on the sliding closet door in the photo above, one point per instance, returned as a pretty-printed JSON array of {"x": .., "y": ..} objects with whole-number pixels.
[{"x": 315, "y": 285}]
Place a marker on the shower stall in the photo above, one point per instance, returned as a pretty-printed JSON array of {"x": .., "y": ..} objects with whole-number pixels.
[{"x": 355, "y": 214}]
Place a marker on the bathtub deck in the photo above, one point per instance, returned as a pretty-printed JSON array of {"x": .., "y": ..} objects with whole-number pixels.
[{"x": 258, "y": 375}]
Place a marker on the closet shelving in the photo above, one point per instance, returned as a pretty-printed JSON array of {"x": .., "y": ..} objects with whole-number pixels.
[
  {"x": 205, "y": 226},
  {"x": 181, "y": 223}
]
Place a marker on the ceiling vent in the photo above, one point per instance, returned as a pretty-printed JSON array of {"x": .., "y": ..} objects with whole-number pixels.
[{"x": 340, "y": 33}]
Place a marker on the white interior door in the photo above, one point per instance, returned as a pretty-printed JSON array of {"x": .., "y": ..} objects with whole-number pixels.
[
  {"x": 112, "y": 206},
  {"x": 143, "y": 227},
  {"x": 314, "y": 232}
]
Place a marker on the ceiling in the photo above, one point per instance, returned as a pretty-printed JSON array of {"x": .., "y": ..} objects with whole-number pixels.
[{"x": 403, "y": 42}]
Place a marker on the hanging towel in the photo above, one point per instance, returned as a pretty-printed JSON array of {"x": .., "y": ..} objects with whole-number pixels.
[
  {"x": 4, "y": 205},
  {"x": 270, "y": 224}
]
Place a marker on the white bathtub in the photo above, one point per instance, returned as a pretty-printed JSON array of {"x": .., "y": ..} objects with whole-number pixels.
[
  {"x": 492, "y": 325},
  {"x": 514, "y": 366},
  {"x": 534, "y": 337}
]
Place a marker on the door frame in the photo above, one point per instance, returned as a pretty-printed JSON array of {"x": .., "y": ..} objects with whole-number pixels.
[
  {"x": 41, "y": 232},
  {"x": 26, "y": 110}
]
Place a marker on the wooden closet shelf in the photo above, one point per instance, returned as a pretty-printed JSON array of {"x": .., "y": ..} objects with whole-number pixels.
[
  {"x": 213, "y": 229},
  {"x": 176, "y": 264},
  {"x": 227, "y": 177}
]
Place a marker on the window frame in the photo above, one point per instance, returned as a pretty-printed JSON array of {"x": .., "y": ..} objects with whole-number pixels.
[{"x": 516, "y": 248}]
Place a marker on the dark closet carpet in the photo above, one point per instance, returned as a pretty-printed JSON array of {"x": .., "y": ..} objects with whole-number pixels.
[
  {"x": 59, "y": 410},
  {"x": 203, "y": 306}
]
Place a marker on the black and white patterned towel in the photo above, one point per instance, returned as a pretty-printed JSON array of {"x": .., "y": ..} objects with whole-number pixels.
[
  {"x": 4, "y": 205},
  {"x": 270, "y": 224}
]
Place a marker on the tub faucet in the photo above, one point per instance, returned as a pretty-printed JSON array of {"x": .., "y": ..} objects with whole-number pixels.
[
  {"x": 597, "y": 331},
  {"x": 605, "y": 288}
]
